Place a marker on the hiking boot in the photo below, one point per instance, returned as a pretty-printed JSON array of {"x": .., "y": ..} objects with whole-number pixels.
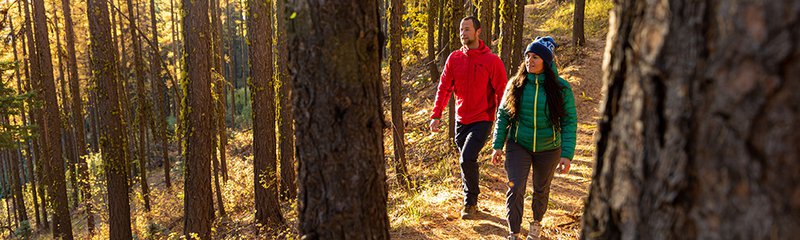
[
  {"x": 469, "y": 212},
  {"x": 533, "y": 233}
]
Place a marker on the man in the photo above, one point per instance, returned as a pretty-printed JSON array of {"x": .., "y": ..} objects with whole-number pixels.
[{"x": 478, "y": 78}]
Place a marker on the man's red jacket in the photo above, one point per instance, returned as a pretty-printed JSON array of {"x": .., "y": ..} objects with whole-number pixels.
[{"x": 478, "y": 78}]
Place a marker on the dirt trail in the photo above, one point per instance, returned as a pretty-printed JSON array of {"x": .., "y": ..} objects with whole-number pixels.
[{"x": 568, "y": 191}]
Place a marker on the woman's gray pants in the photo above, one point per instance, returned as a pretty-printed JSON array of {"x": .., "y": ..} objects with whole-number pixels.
[{"x": 518, "y": 164}]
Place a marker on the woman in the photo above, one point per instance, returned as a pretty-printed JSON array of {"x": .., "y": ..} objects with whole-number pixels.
[{"x": 536, "y": 122}]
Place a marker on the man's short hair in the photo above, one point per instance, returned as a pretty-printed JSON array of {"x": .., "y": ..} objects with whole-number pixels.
[{"x": 475, "y": 22}]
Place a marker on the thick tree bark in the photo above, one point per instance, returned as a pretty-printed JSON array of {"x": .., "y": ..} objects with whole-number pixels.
[
  {"x": 506, "y": 32},
  {"x": 444, "y": 32},
  {"x": 578, "y": 37},
  {"x": 141, "y": 104},
  {"x": 486, "y": 17},
  {"x": 433, "y": 8},
  {"x": 113, "y": 145},
  {"x": 396, "y": 88},
  {"x": 696, "y": 138},
  {"x": 496, "y": 20},
  {"x": 338, "y": 111},
  {"x": 198, "y": 207},
  {"x": 259, "y": 26},
  {"x": 286, "y": 117},
  {"x": 517, "y": 45},
  {"x": 159, "y": 89},
  {"x": 57, "y": 191}
]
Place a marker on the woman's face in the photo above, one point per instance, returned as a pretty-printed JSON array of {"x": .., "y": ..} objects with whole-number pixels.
[{"x": 533, "y": 63}]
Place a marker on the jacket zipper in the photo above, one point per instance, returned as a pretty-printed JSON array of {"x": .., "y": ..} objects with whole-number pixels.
[{"x": 535, "y": 105}]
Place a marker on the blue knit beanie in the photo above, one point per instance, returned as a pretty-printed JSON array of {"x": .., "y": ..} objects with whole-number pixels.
[{"x": 543, "y": 47}]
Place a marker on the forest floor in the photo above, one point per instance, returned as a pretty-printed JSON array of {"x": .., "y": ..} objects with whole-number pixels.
[{"x": 430, "y": 208}]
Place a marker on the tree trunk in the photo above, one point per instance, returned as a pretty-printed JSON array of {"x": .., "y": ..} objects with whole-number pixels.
[
  {"x": 286, "y": 122},
  {"x": 506, "y": 33},
  {"x": 219, "y": 90},
  {"x": 578, "y": 38},
  {"x": 433, "y": 8},
  {"x": 218, "y": 192},
  {"x": 159, "y": 89},
  {"x": 141, "y": 104},
  {"x": 456, "y": 13},
  {"x": 517, "y": 45},
  {"x": 26, "y": 87},
  {"x": 113, "y": 145},
  {"x": 696, "y": 136},
  {"x": 57, "y": 191},
  {"x": 13, "y": 172},
  {"x": 259, "y": 25},
  {"x": 77, "y": 111},
  {"x": 444, "y": 32},
  {"x": 396, "y": 88},
  {"x": 122, "y": 88},
  {"x": 16, "y": 185},
  {"x": 67, "y": 139},
  {"x": 487, "y": 9},
  {"x": 198, "y": 207},
  {"x": 337, "y": 109},
  {"x": 496, "y": 20},
  {"x": 36, "y": 116}
]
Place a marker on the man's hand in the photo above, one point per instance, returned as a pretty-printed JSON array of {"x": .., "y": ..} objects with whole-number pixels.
[
  {"x": 497, "y": 156},
  {"x": 563, "y": 166},
  {"x": 435, "y": 125}
]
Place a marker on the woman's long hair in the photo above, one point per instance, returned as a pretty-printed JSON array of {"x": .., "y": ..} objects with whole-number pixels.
[{"x": 552, "y": 91}]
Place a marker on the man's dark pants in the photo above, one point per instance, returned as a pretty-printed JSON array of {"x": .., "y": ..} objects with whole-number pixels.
[{"x": 470, "y": 139}]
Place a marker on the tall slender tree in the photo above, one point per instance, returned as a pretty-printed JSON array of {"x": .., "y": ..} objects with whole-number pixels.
[
  {"x": 159, "y": 90},
  {"x": 433, "y": 8},
  {"x": 36, "y": 114},
  {"x": 506, "y": 32},
  {"x": 673, "y": 157},
  {"x": 219, "y": 87},
  {"x": 14, "y": 181},
  {"x": 517, "y": 44},
  {"x": 396, "y": 88},
  {"x": 578, "y": 37},
  {"x": 337, "y": 110},
  {"x": 77, "y": 112},
  {"x": 259, "y": 25},
  {"x": 57, "y": 189},
  {"x": 198, "y": 208},
  {"x": 286, "y": 117},
  {"x": 456, "y": 13},
  {"x": 487, "y": 18},
  {"x": 106, "y": 77},
  {"x": 20, "y": 89},
  {"x": 67, "y": 138},
  {"x": 141, "y": 103}
]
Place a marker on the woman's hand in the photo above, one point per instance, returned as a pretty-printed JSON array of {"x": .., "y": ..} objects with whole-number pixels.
[
  {"x": 563, "y": 165},
  {"x": 497, "y": 156}
]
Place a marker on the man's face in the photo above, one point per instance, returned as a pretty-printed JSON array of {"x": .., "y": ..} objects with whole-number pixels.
[{"x": 468, "y": 34}]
